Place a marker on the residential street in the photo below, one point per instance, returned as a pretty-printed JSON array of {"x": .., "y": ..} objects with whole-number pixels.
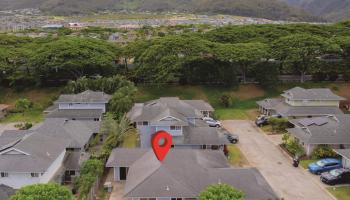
[{"x": 288, "y": 182}]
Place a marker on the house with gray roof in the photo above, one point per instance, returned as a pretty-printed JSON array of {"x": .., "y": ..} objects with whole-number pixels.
[
  {"x": 180, "y": 118},
  {"x": 345, "y": 154},
  {"x": 40, "y": 155},
  {"x": 330, "y": 130},
  {"x": 87, "y": 105},
  {"x": 300, "y": 102},
  {"x": 183, "y": 174}
]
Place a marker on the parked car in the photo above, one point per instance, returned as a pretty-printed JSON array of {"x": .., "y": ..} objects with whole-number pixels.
[
  {"x": 211, "y": 122},
  {"x": 262, "y": 120},
  {"x": 232, "y": 138},
  {"x": 324, "y": 165},
  {"x": 336, "y": 176}
]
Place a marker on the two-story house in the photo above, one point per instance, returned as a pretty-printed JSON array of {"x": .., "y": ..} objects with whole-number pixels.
[
  {"x": 182, "y": 175},
  {"x": 180, "y": 118},
  {"x": 87, "y": 105},
  {"x": 300, "y": 102},
  {"x": 44, "y": 154}
]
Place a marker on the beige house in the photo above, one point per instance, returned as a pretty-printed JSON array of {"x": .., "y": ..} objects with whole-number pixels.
[{"x": 300, "y": 102}]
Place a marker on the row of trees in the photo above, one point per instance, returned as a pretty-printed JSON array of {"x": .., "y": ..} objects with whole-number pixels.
[{"x": 256, "y": 51}]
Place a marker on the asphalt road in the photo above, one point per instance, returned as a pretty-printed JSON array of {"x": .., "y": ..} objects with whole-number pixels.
[{"x": 288, "y": 182}]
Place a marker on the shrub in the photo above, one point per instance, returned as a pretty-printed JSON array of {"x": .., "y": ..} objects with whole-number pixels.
[
  {"x": 346, "y": 76},
  {"x": 292, "y": 145},
  {"x": 225, "y": 100},
  {"x": 278, "y": 124},
  {"x": 23, "y": 105},
  {"x": 222, "y": 192},
  {"x": 323, "y": 151},
  {"x": 48, "y": 191}
]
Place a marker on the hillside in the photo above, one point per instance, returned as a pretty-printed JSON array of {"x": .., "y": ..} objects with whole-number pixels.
[
  {"x": 333, "y": 10},
  {"x": 270, "y": 9}
]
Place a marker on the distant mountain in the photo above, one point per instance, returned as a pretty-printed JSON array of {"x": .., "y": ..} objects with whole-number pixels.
[
  {"x": 333, "y": 10},
  {"x": 270, "y": 9}
]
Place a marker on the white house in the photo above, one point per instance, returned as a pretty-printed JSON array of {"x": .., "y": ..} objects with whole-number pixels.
[
  {"x": 88, "y": 105},
  {"x": 40, "y": 155}
]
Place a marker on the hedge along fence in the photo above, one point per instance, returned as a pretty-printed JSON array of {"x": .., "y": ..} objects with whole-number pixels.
[{"x": 90, "y": 172}]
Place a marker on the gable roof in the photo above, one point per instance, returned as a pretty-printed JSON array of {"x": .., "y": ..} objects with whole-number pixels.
[
  {"x": 322, "y": 130},
  {"x": 186, "y": 172},
  {"x": 298, "y": 93},
  {"x": 38, "y": 148},
  {"x": 155, "y": 110},
  {"x": 87, "y": 96}
]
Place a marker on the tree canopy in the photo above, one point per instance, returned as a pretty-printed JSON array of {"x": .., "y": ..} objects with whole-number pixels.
[
  {"x": 50, "y": 191},
  {"x": 222, "y": 192}
]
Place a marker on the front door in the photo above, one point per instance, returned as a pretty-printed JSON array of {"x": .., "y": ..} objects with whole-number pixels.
[{"x": 123, "y": 173}]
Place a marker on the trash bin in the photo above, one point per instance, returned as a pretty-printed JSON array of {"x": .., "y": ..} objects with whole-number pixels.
[{"x": 296, "y": 161}]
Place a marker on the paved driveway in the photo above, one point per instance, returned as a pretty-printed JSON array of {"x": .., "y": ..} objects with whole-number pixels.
[
  {"x": 10, "y": 126},
  {"x": 288, "y": 182}
]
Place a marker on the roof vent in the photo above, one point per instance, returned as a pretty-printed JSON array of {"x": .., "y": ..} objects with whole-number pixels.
[{"x": 167, "y": 188}]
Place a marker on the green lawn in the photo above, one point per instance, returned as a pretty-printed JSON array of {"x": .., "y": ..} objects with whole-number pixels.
[
  {"x": 33, "y": 116},
  {"x": 341, "y": 193},
  {"x": 235, "y": 156},
  {"x": 305, "y": 163}
]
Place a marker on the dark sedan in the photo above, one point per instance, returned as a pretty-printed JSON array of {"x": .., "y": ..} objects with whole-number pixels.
[{"x": 336, "y": 176}]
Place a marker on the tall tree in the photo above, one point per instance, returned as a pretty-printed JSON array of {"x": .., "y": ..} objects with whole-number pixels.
[
  {"x": 243, "y": 55},
  {"x": 301, "y": 51}
]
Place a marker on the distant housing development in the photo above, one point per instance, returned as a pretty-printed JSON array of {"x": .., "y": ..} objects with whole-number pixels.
[
  {"x": 300, "y": 102},
  {"x": 181, "y": 118}
]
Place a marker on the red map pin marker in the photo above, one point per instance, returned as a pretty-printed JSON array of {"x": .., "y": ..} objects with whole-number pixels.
[{"x": 161, "y": 150}]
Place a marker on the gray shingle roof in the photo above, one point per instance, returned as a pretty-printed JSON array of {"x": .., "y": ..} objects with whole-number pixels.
[
  {"x": 124, "y": 157},
  {"x": 202, "y": 135},
  {"x": 299, "y": 93},
  {"x": 76, "y": 113},
  {"x": 185, "y": 173},
  {"x": 87, "y": 96},
  {"x": 6, "y": 192},
  {"x": 343, "y": 152},
  {"x": 335, "y": 130},
  {"x": 155, "y": 110},
  {"x": 284, "y": 109},
  {"x": 40, "y": 147}
]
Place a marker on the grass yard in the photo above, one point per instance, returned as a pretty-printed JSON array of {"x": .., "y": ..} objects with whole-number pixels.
[
  {"x": 305, "y": 163},
  {"x": 41, "y": 97},
  {"x": 341, "y": 193},
  {"x": 235, "y": 156}
]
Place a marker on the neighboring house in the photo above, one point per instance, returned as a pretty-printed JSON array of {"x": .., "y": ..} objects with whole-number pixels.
[
  {"x": 182, "y": 175},
  {"x": 345, "y": 154},
  {"x": 300, "y": 102},
  {"x": 88, "y": 105},
  {"x": 41, "y": 155},
  {"x": 3, "y": 110},
  {"x": 180, "y": 118},
  {"x": 6, "y": 192},
  {"x": 331, "y": 130}
]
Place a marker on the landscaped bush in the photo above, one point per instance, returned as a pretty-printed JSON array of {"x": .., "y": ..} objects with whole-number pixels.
[
  {"x": 226, "y": 100},
  {"x": 24, "y": 126},
  {"x": 323, "y": 151},
  {"x": 292, "y": 145},
  {"x": 278, "y": 125},
  {"x": 22, "y": 105},
  {"x": 90, "y": 170}
]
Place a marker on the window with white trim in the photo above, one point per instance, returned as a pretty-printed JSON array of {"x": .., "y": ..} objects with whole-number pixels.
[
  {"x": 4, "y": 174},
  {"x": 175, "y": 128},
  {"x": 144, "y": 123},
  {"x": 34, "y": 175}
]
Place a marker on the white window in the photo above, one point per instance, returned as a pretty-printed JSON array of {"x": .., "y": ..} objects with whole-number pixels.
[
  {"x": 34, "y": 175},
  {"x": 4, "y": 174},
  {"x": 175, "y": 128}
]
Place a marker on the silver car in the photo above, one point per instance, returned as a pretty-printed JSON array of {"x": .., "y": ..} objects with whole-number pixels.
[{"x": 212, "y": 122}]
